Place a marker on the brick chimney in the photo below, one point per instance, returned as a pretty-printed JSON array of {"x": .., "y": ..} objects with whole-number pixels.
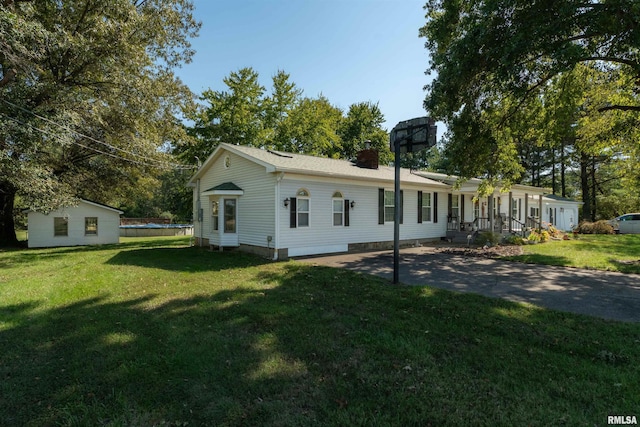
[{"x": 367, "y": 158}]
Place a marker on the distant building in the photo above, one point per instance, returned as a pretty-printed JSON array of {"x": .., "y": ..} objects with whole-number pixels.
[{"x": 89, "y": 223}]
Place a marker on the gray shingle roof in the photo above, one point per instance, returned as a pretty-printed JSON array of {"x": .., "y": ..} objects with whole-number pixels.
[
  {"x": 225, "y": 186},
  {"x": 310, "y": 165}
]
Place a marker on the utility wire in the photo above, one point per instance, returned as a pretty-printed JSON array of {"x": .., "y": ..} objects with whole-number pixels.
[
  {"x": 149, "y": 159},
  {"x": 158, "y": 164}
]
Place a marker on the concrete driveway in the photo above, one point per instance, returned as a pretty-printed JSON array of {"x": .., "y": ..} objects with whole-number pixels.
[{"x": 603, "y": 294}]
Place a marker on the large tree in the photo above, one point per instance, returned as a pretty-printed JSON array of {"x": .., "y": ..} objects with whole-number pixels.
[
  {"x": 282, "y": 119},
  {"x": 488, "y": 51},
  {"x": 90, "y": 99}
]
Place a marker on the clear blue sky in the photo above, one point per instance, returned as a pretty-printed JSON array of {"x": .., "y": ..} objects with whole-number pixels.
[{"x": 348, "y": 50}]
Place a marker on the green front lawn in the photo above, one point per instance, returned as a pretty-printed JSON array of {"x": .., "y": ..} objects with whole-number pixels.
[
  {"x": 153, "y": 332},
  {"x": 601, "y": 252}
]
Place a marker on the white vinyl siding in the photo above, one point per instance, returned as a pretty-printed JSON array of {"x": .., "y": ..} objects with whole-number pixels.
[
  {"x": 255, "y": 219},
  {"x": 323, "y": 237}
]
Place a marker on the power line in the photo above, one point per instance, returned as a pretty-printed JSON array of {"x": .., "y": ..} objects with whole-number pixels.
[
  {"x": 158, "y": 164},
  {"x": 149, "y": 159}
]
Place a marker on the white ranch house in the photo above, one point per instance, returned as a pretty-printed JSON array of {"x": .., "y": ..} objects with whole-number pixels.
[
  {"x": 88, "y": 223},
  {"x": 283, "y": 205}
]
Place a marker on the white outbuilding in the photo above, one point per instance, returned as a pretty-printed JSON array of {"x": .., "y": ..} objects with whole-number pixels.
[{"x": 88, "y": 223}]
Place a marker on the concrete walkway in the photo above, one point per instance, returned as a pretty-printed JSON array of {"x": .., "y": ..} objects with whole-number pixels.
[{"x": 596, "y": 293}]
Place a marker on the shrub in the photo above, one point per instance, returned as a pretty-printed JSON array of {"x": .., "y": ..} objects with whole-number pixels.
[
  {"x": 600, "y": 227},
  {"x": 534, "y": 237},
  {"x": 512, "y": 239},
  {"x": 554, "y": 232},
  {"x": 544, "y": 236},
  {"x": 488, "y": 238}
]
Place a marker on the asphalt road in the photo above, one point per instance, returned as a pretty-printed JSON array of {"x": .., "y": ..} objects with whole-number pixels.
[{"x": 609, "y": 295}]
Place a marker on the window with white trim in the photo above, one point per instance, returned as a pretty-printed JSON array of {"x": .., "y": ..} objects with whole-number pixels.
[
  {"x": 91, "y": 226},
  {"x": 455, "y": 206},
  {"x": 338, "y": 209},
  {"x": 389, "y": 205},
  {"x": 60, "y": 226},
  {"x": 534, "y": 211},
  {"x": 426, "y": 207},
  {"x": 303, "y": 208},
  {"x": 215, "y": 215}
]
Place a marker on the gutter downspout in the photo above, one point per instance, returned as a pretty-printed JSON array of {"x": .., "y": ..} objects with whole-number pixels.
[
  {"x": 198, "y": 211},
  {"x": 276, "y": 239}
]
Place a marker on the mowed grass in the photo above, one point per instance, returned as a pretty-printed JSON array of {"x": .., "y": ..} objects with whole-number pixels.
[
  {"x": 620, "y": 252},
  {"x": 153, "y": 332}
]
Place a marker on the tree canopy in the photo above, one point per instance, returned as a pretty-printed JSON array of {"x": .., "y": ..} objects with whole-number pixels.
[
  {"x": 494, "y": 57},
  {"x": 89, "y": 97},
  {"x": 281, "y": 119}
]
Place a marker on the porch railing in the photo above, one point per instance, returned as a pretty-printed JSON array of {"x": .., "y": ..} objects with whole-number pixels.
[{"x": 500, "y": 224}]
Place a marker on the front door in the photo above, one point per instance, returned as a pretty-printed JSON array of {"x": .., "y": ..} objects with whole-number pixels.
[{"x": 230, "y": 222}]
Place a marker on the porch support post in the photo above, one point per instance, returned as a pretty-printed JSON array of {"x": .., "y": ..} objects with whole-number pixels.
[
  {"x": 490, "y": 199},
  {"x": 540, "y": 210},
  {"x": 526, "y": 208},
  {"x": 510, "y": 212}
]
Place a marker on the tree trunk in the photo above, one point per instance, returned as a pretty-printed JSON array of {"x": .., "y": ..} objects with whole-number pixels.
[
  {"x": 554, "y": 186},
  {"x": 7, "y": 224},
  {"x": 593, "y": 189},
  {"x": 563, "y": 167},
  {"x": 584, "y": 181}
]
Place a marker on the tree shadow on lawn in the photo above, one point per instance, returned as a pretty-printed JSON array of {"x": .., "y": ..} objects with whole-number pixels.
[
  {"x": 312, "y": 345},
  {"x": 11, "y": 258},
  {"x": 191, "y": 259}
]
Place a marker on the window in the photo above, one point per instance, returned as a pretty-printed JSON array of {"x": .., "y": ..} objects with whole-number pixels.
[
  {"x": 426, "y": 207},
  {"x": 215, "y": 215},
  {"x": 60, "y": 226},
  {"x": 476, "y": 209},
  {"x": 514, "y": 208},
  {"x": 386, "y": 208},
  {"x": 303, "y": 212},
  {"x": 91, "y": 226},
  {"x": 455, "y": 207},
  {"x": 302, "y": 208},
  {"x": 338, "y": 209},
  {"x": 389, "y": 205},
  {"x": 534, "y": 212},
  {"x": 338, "y": 212},
  {"x": 229, "y": 215}
]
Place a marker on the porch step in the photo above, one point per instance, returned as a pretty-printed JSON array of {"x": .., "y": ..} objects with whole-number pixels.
[{"x": 460, "y": 236}]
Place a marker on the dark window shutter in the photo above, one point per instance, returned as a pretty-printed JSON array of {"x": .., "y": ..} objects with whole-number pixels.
[
  {"x": 380, "y": 205},
  {"x": 435, "y": 207},
  {"x": 519, "y": 209},
  {"x": 449, "y": 204},
  {"x": 462, "y": 207},
  {"x": 419, "y": 207},
  {"x": 293, "y": 218},
  {"x": 346, "y": 213},
  {"x": 401, "y": 206}
]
